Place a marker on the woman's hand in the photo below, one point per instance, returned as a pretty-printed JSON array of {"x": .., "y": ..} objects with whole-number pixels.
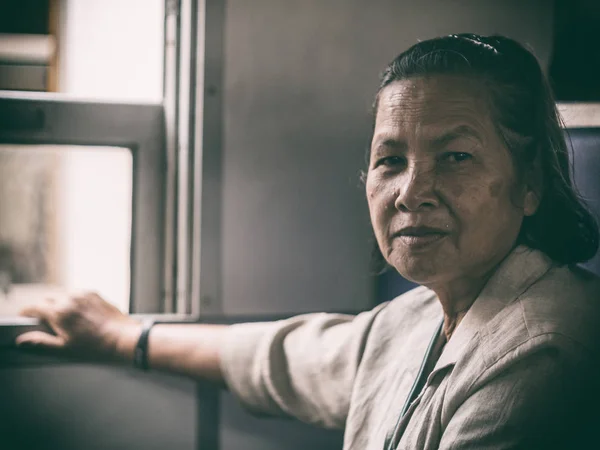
[
  {"x": 88, "y": 328},
  {"x": 85, "y": 326}
]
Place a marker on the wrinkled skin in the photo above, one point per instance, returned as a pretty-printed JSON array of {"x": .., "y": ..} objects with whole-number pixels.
[
  {"x": 85, "y": 327},
  {"x": 436, "y": 160}
]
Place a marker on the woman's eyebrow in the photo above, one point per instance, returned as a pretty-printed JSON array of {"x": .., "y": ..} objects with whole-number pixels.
[
  {"x": 460, "y": 131},
  {"x": 392, "y": 143}
]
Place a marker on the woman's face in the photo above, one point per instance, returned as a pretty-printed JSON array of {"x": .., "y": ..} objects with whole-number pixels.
[{"x": 441, "y": 187}]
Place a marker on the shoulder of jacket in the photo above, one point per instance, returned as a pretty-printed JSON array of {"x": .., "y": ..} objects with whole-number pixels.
[{"x": 561, "y": 310}]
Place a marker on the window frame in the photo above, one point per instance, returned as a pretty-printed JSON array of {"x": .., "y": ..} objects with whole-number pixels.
[
  {"x": 53, "y": 119},
  {"x": 178, "y": 278}
]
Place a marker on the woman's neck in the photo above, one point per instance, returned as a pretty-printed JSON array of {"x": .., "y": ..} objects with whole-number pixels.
[
  {"x": 456, "y": 299},
  {"x": 458, "y": 295}
]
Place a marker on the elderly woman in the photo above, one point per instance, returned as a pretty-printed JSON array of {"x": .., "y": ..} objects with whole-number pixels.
[{"x": 470, "y": 196}]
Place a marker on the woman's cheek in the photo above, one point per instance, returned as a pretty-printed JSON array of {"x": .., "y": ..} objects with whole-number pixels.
[
  {"x": 381, "y": 205},
  {"x": 378, "y": 191}
]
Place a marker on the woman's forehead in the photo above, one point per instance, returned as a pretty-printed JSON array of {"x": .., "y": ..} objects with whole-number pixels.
[{"x": 419, "y": 104}]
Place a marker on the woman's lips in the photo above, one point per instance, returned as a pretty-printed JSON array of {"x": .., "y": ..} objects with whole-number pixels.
[
  {"x": 420, "y": 237},
  {"x": 417, "y": 241}
]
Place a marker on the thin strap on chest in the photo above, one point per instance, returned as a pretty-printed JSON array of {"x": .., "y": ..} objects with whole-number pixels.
[{"x": 391, "y": 439}]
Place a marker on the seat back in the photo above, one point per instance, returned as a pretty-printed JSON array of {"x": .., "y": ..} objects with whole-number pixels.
[{"x": 586, "y": 165}]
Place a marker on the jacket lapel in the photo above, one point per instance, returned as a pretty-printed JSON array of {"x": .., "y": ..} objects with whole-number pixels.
[{"x": 519, "y": 270}]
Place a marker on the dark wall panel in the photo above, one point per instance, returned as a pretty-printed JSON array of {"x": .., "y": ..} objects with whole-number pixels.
[{"x": 73, "y": 407}]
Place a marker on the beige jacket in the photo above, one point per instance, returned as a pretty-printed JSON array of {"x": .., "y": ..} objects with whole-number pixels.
[{"x": 511, "y": 376}]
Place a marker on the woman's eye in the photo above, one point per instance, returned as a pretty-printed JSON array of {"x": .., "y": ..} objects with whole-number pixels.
[
  {"x": 391, "y": 161},
  {"x": 457, "y": 157}
]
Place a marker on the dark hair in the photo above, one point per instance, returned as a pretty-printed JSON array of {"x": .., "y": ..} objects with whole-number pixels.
[{"x": 526, "y": 119}]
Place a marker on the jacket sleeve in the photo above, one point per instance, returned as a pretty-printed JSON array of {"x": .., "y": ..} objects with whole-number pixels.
[
  {"x": 303, "y": 367},
  {"x": 537, "y": 402}
]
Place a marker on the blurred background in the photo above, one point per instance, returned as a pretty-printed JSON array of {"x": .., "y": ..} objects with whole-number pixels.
[{"x": 242, "y": 201}]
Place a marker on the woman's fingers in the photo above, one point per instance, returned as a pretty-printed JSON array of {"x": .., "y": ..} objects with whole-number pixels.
[
  {"x": 84, "y": 324},
  {"x": 40, "y": 339},
  {"x": 41, "y": 311}
]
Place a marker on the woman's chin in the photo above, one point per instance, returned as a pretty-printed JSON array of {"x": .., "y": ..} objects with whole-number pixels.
[
  {"x": 425, "y": 264},
  {"x": 422, "y": 270}
]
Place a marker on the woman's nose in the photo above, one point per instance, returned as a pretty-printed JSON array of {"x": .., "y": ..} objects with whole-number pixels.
[{"x": 416, "y": 190}]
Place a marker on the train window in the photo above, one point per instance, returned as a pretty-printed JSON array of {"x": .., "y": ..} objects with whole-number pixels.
[
  {"x": 65, "y": 223},
  {"x": 81, "y": 201},
  {"x": 114, "y": 176}
]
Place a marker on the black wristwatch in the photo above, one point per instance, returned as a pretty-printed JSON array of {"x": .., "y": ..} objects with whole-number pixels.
[{"x": 140, "y": 355}]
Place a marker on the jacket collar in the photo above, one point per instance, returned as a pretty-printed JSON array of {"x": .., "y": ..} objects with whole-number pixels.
[{"x": 519, "y": 270}]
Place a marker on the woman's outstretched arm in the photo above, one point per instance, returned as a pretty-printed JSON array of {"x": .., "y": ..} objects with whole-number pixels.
[
  {"x": 89, "y": 328},
  {"x": 303, "y": 367}
]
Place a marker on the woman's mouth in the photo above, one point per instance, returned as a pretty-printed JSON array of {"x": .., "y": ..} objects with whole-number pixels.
[{"x": 420, "y": 237}]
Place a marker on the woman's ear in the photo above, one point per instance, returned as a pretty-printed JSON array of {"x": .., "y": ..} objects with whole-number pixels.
[{"x": 531, "y": 203}]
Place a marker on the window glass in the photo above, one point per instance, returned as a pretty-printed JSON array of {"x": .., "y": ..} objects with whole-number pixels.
[
  {"x": 107, "y": 49},
  {"x": 65, "y": 223},
  {"x": 111, "y": 49}
]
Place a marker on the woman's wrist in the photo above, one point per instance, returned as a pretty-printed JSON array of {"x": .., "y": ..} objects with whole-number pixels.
[{"x": 126, "y": 336}]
